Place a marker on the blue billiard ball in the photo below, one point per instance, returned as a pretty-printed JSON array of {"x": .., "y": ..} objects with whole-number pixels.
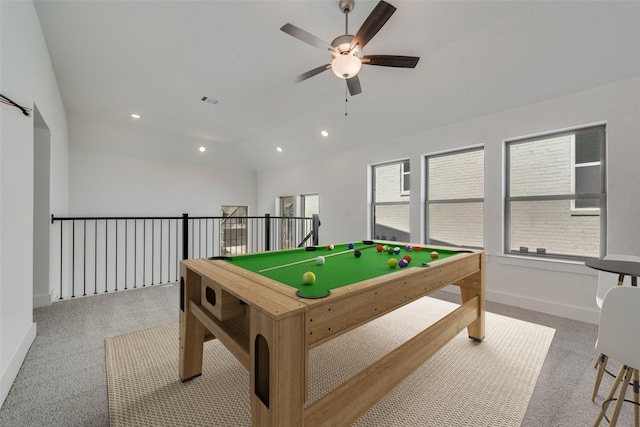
[
  {"x": 350, "y": 245},
  {"x": 396, "y": 250}
]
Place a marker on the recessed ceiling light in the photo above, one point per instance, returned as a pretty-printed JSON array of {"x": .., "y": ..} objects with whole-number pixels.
[
  {"x": 135, "y": 116},
  {"x": 202, "y": 149},
  {"x": 279, "y": 149},
  {"x": 324, "y": 133}
]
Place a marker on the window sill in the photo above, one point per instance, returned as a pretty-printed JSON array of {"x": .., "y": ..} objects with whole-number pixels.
[{"x": 560, "y": 265}]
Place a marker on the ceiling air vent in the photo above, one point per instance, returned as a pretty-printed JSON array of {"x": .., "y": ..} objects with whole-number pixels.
[{"x": 209, "y": 100}]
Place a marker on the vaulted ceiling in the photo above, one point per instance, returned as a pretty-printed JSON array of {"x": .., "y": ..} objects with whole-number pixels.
[{"x": 160, "y": 58}]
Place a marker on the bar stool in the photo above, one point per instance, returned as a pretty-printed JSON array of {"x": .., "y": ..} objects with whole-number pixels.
[
  {"x": 605, "y": 282},
  {"x": 618, "y": 337}
]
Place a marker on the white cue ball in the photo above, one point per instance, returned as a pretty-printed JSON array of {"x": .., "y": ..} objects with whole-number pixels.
[{"x": 320, "y": 260}]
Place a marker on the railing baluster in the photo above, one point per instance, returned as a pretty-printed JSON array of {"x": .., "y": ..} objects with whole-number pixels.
[
  {"x": 84, "y": 259},
  {"x": 106, "y": 254},
  {"x": 116, "y": 258},
  {"x": 135, "y": 253},
  {"x": 144, "y": 252},
  {"x": 95, "y": 258},
  {"x": 160, "y": 257},
  {"x": 61, "y": 263},
  {"x": 73, "y": 259},
  {"x": 153, "y": 239}
]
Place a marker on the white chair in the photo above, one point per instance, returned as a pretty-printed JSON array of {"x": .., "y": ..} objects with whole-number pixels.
[
  {"x": 619, "y": 337},
  {"x": 607, "y": 281}
]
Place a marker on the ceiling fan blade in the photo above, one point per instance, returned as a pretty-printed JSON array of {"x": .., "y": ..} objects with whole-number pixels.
[
  {"x": 354, "y": 85},
  {"x": 312, "y": 73},
  {"x": 391, "y": 60},
  {"x": 370, "y": 27},
  {"x": 306, "y": 37}
]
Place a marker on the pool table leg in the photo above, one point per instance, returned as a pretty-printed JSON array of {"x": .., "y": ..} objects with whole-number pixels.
[
  {"x": 191, "y": 329},
  {"x": 470, "y": 287},
  {"x": 277, "y": 373}
]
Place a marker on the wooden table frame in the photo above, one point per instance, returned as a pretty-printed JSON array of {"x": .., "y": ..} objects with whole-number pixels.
[{"x": 270, "y": 331}]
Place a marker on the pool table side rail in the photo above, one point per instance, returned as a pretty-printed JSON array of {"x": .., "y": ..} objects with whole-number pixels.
[{"x": 351, "y": 306}]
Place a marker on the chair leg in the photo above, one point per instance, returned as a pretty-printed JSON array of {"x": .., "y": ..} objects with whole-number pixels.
[
  {"x": 612, "y": 391},
  {"x": 636, "y": 398},
  {"x": 623, "y": 391},
  {"x": 601, "y": 364},
  {"x": 595, "y": 365}
]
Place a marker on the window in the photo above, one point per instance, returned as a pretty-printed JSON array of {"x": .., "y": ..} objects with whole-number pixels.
[
  {"x": 390, "y": 207},
  {"x": 405, "y": 181},
  {"x": 286, "y": 229},
  {"x": 585, "y": 158},
  {"x": 310, "y": 205},
  {"x": 233, "y": 229},
  {"x": 454, "y": 202},
  {"x": 556, "y": 194}
]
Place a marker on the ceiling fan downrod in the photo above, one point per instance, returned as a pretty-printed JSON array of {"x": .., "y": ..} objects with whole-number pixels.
[{"x": 346, "y": 6}]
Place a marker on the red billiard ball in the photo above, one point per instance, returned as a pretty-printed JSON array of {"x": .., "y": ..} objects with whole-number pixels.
[
  {"x": 379, "y": 248},
  {"x": 434, "y": 255},
  {"x": 330, "y": 247},
  {"x": 407, "y": 258},
  {"x": 416, "y": 248}
]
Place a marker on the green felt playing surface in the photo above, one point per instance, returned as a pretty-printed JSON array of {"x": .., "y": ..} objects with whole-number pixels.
[{"x": 341, "y": 267}]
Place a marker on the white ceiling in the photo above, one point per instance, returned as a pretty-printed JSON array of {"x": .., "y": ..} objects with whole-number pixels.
[{"x": 159, "y": 58}]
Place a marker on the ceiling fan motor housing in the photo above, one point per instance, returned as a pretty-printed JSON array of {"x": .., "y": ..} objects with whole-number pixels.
[{"x": 346, "y": 6}]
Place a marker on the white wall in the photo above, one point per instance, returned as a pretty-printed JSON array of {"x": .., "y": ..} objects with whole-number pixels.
[
  {"x": 563, "y": 288},
  {"x": 167, "y": 177},
  {"x": 27, "y": 77}
]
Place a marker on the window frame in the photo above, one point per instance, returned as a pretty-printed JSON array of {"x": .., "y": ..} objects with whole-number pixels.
[{"x": 602, "y": 211}]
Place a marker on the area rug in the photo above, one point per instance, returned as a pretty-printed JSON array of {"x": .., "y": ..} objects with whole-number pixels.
[{"x": 466, "y": 383}]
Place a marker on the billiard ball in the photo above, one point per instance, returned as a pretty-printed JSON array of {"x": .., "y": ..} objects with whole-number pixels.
[
  {"x": 407, "y": 258},
  {"x": 379, "y": 248},
  {"x": 350, "y": 245},
  {"x": 434, "y": 255},
  {"x": 320, "y": 260},
  {"x": 393, "y": 263},
  {"x": 416, "y": 248},
  {"x": 390, "y": 250},
  {"x": 330, "y": 247},
  {"x": 403, "y": 263},
  {"x": 308, "y": 278},
  {"x": 357, "y": 253},
  {"x": 409, "y": 247},
  {"x": 385, "y": 248},
  {"x": 396, "y": 250}
]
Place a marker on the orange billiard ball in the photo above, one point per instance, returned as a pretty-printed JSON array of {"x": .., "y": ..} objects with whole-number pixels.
[{"x": 434, "y": 255}]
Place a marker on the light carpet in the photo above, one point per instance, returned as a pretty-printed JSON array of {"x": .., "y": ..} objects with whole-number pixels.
[{"x": 466, "y": 383}]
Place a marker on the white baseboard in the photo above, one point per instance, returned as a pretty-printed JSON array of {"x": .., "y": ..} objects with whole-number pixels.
[
  {"x": 549, "y": 307},
  {"x": 10, "y": 374},
  {"x": 44, "y": 300}
]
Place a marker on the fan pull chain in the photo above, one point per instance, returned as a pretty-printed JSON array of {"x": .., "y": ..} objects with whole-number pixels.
[{"x": 346, "y": 99}]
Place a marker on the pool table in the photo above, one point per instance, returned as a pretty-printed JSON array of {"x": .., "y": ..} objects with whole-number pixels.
[{"x": 260, "y": 308}]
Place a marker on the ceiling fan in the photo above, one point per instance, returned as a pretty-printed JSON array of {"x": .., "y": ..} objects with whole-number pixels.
[{"x": 346, "y": 50}]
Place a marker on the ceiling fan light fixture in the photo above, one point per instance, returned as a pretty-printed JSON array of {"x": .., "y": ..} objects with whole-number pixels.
[{"x": 346, "y": 66}]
